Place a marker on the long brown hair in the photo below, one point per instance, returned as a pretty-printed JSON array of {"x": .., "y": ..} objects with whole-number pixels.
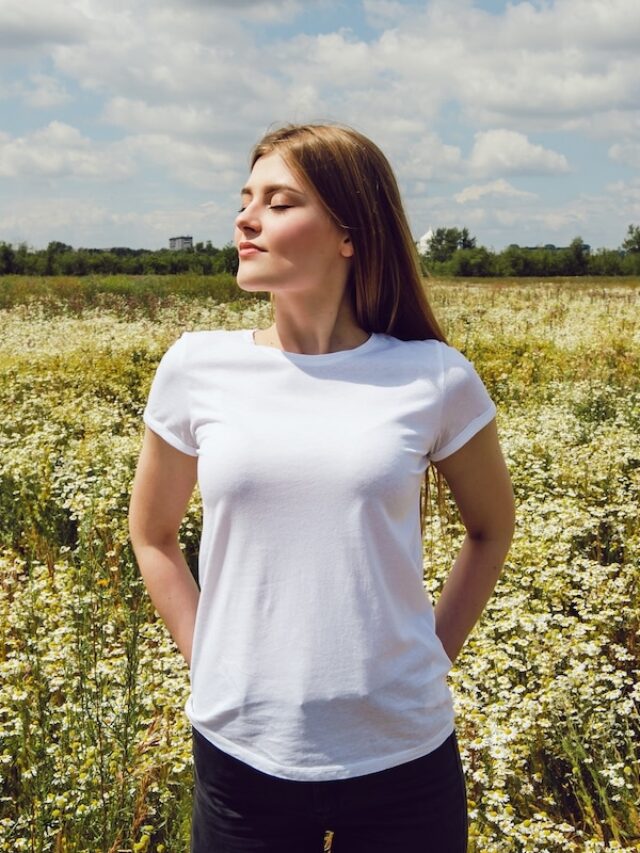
[
  {"x": 357, "y": 187},
  {"x": 355, "y": 182}
]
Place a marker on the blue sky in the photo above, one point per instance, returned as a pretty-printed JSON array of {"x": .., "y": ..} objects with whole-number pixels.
[{"x": 128, "y": 122}]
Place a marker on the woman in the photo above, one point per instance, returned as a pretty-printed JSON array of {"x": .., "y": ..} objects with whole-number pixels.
[{"x": 318, "y": 666}]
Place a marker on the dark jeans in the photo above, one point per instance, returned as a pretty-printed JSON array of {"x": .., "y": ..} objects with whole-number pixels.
[{"x": 417, "y": 807}]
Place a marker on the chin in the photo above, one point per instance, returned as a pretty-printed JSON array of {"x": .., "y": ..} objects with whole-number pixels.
[{"x": 252, "y": 286}]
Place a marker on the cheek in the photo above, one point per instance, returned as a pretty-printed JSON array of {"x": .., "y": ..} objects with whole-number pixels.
[{"x": 303, "y": 238}]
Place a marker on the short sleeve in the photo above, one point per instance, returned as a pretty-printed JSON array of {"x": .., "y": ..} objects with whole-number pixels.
[
  {"x": 466, "y": 405},
  {"x": 167, "y": 411}
]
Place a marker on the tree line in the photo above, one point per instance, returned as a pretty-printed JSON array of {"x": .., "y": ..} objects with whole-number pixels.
[
  {"x": 61, "y": 259},
  {"x": 451, "y": 252}
]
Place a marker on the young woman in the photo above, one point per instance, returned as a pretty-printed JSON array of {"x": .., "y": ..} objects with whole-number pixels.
[{"x": 318, "y": 665}]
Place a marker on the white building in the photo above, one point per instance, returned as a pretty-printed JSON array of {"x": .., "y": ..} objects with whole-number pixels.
[
  {"x": 181, "y": 243},
  {"x": 424, "y": 241}
]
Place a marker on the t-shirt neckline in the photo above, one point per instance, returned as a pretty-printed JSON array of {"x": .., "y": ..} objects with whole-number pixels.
[{"x": 308, "y": 358}]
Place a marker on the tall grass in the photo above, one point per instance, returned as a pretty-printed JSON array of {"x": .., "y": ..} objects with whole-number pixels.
[
  {"x": 94, "y": 744},
  {"x": 136, "y": 295}
]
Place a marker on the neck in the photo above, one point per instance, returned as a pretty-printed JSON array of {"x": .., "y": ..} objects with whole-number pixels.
[{"x": 312, "y": 329}]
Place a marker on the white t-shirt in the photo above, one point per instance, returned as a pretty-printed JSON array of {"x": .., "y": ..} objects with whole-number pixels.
[{"x": 314, "y": 654}]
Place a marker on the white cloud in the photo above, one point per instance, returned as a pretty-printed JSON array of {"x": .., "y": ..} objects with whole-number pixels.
[
  {"x": 59, "y": 150},
  {"x": 154, "y": 54},
  {"x": 507, "y": 152},
  {"x": 532, "y": 67},
  {"x": 384, "y": 13},
  {"x": 560, "y": 219},
  {"x": 625, "y": 196},
  {"x": 268, "y": 12},
  {"x": 203, "y": 68},
  {"x": 601, "y": 24},
  {"x": 615, "y": 124},
  {"x": 41, "y": 92},
  {"x": 331, "y": 59},
  {"x": 82, "y": 222},
  {"x": 46, "y": 92},
  {"x": 25, "y": 26},
  {"x": 198, "y": 165},
  {"x": 164, "y": 222},
  {"x": 39, "y": 220},
  {"x": 627, "y": 153},
  {"x": 495, "y": 188},
  {"x": 431, "y": 160},
  {"x": 191, "y": 71},
  {"x": 600, "y": 219},
  {"x": 179, "y": 119}
]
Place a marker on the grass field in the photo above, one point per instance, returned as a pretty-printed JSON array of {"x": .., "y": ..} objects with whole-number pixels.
[{"x": 94, "y": 745}]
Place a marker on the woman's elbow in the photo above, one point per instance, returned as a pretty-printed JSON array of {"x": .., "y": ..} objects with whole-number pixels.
[{"x": 496, "y": 533}]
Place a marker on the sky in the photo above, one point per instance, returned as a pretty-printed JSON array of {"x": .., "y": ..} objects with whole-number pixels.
[{"x": 127, "y": 122}]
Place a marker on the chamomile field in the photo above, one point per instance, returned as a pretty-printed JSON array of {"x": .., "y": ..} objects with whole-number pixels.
[{"x": 95, "y": 750}]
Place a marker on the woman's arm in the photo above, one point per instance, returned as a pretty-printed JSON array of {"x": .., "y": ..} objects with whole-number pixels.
[
  {"x": 481, "y": 487},
  {"x": 164, "y": 481}
]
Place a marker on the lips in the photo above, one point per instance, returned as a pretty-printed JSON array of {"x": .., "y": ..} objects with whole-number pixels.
[{"x": 245, "y": 249}]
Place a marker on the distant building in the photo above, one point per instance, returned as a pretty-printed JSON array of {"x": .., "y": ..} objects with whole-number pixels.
[
  {"x": 424, "y": 242},
  {"x": 181, "y": 243},
  {"x": 551, "y": 247}
]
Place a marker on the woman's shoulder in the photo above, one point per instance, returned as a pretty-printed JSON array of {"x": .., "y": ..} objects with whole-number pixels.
[
  {"x": 428, "y": 344},
  {"x": 431, "y": 353},
  {"x": 196, "y": 342},
  {"x": 435, "y": 362},
  {"x": 449, "y": 354},
  {"x": 208, "y": 337},
  {"x": 202, "y": 348}
]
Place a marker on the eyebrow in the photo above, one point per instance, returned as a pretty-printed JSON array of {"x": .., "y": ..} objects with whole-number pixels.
[{"x": 272, "y": 188}]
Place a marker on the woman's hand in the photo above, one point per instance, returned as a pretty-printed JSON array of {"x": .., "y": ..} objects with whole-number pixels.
[
  {"x": 479, "y": 481},
  {"x": 164, "y": 481}
]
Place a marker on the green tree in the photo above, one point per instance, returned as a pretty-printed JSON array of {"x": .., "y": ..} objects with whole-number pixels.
[
  {"x": 606, "y": 262},
  {"x": 53, "y": 254},
  {"x": 7, "y": 259},
  {"x": 631, "y": 263},
  {"x": 515, "y": 262},
  {"x": 466, "y": 241},
  {"x": 226, "y": 260},
  {"x": 577, "y": 257},
  {"x": 81, "y": 262},
  {"x": 443, "y": 244},
  {"x": 473, "y": 262},
  {"x": 22, "y": 258},
  {"x": 631, "y": 243}
]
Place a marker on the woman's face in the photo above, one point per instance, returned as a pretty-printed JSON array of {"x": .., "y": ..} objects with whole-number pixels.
[{"x": 285, "y": 238}]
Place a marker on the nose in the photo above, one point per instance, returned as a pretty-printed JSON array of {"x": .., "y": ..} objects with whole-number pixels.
[{"x": 247, "y": 220}]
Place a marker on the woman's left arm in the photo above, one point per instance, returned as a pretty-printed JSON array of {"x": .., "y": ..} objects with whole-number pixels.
[{"x": 479, "y": 481}]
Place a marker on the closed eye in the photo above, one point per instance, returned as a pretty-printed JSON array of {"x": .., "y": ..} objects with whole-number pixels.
[{"x": 280, "y": 206}]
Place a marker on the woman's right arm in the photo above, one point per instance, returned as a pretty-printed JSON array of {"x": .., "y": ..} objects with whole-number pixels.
[{"x": 163, "y": 483}]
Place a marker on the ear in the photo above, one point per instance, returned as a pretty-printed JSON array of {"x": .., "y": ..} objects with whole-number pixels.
[{"x": 346, "y": 247}]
